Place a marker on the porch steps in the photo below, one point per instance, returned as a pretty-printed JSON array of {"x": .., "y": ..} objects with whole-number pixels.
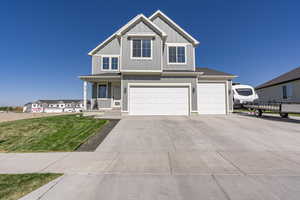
[{"x": 114, "y": 113}]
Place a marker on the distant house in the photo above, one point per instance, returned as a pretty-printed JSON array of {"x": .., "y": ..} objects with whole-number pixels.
[
  {"x": 284, "y": 88},
  {"x": 27, "y": 107},
  {"x": 54, "y": 106}
]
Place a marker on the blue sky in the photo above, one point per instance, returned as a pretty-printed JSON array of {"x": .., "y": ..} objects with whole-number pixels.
[{"x": 44, "y": 44}]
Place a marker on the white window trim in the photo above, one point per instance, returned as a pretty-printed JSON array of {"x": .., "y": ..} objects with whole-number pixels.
[
  {"x": 288, "y": 96},
  {"x": 140, "y": 58},
  {"x": 177, "y": 45},
  {"x": 110, "y": 62},
  {"x": 106, "y": 83}
]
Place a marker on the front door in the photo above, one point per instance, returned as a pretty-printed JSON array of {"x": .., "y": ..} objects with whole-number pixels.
[{"x": 116, "y": 96}]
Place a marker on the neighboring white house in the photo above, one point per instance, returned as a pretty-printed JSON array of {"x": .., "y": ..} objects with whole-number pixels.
[
  {"x": 148, "y": 67},
  {"x": 54, "y": 106},
  {"x": 284, "y": 88}
]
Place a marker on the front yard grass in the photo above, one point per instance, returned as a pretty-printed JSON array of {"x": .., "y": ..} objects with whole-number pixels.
[
  {"x": 14, "y": 186},
  {"x": 56, "y": 133}
]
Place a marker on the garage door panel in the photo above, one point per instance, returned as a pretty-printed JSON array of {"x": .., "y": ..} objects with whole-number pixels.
[
  {"x": 152, "y": 100},
  {"x": 211, "y": 98}
]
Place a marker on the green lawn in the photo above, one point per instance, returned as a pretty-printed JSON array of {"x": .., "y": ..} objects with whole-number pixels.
[
  {"x": 56, "y": 133},
  {"x": 14, "y": 186}
]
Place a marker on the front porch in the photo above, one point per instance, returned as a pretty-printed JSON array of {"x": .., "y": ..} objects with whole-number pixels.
[{"x": 105, "y": 92}]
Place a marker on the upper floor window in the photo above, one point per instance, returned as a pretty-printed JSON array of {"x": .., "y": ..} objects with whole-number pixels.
[
  {"x": 110, "y": 62},
  {"x": 177, "y": 54},
  {"x": 141, "y": 48},
  {"x": 105, "y": 63},
  {"x": 114, "y": 63}
]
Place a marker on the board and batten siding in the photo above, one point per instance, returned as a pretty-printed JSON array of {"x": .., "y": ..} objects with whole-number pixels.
[
  {"x": 141, "y": 64},
  {"x": 157, "y": 79},
  {"x": 111, "y": 48},
  {"x": 175, "y": 37},
  {"x": 230, "y": 96},
  {"x": 274, "y": 93}
]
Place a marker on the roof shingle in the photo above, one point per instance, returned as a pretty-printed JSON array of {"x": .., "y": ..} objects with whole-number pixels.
[
  {"x": 212, "y": 72},
  {"x": 289, "y": 76}
]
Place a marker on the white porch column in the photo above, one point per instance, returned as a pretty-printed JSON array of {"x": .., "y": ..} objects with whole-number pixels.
[{"x": 85, "y": 95}]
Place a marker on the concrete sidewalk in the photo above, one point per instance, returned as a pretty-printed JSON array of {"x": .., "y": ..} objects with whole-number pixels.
[
  {"x": 174, "y": 175},
  {"x": 172, "y": 163},
  {"x": 175, "y": 187}
]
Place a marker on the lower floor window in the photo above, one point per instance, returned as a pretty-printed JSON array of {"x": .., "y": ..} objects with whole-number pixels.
[
  {"x": 102, "y": 91},
  {"x": 287, "y": 91}
]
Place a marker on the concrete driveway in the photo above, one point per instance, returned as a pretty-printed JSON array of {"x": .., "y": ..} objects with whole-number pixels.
[{"x": 228, "y": 157}]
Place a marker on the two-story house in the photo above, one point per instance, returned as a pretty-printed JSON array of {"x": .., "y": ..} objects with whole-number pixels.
[{"x": 148, "y": 67}]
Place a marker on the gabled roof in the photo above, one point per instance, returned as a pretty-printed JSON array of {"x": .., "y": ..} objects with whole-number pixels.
[
  {"x": 212, "y": 72},
  {"x": 289, "y": 76},
  {"x": 110, "y": 38},
  {"x": 136, "y": 20},
  {"x": 159, "y": 13},
  {"x": 127, "y": 26}
]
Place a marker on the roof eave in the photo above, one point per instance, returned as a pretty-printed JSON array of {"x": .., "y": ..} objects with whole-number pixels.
[
  {"x": 99, "y": 77},
  {"x": 271, "y": 85},
  {"x": 160, "y": 13},
  {"x": 119, "y": 32},
  {"x": 143, "y": 17},
  {"x": 219, "y": 76}
]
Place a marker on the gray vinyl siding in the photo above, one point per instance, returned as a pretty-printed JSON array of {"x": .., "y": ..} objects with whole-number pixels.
[
  {"x": 140, "y": 64},
  {"x": 274, "y": 93},
  {"x": 175, "y": 37},
  {"x": 157, "y": 79},
  {"x": 111, "y": 48},
  {"x": 140, "y": 27},
  {"x": 230, "y": 96},
  {"x": 104, "y": 103}
]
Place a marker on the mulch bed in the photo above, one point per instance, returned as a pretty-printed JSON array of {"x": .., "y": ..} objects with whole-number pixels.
[{"x": 93, "y": 142}]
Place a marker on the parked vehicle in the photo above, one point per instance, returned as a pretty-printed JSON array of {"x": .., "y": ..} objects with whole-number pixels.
[
  {"x": 283, "y": 108},
  {"x": 243, "y": 94}
]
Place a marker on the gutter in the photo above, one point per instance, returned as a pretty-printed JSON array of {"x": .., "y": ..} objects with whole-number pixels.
[{"x": 98, "y": 77}]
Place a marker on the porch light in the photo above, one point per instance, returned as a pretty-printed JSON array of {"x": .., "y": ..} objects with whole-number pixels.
[
  {"x": 193, "y": 90},
  {"x": 125, "y": 90}
]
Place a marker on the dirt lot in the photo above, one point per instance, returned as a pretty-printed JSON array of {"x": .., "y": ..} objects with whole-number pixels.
[{"x": 11, "y": 116}]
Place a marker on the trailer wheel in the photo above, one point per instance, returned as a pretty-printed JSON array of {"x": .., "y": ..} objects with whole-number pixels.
[
  {"x": 284, "y": 115},
  {"x": 258, "y": 112}
]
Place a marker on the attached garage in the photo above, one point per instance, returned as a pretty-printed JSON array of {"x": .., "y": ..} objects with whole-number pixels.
[
  {"x": 159, "y": 100},
  {"x": 211, "y": 98}
]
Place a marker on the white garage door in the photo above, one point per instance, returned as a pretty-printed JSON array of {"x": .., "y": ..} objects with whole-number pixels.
[
  {"x": 157, "y": 100},
  {"x": 211, "y": 98}
]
